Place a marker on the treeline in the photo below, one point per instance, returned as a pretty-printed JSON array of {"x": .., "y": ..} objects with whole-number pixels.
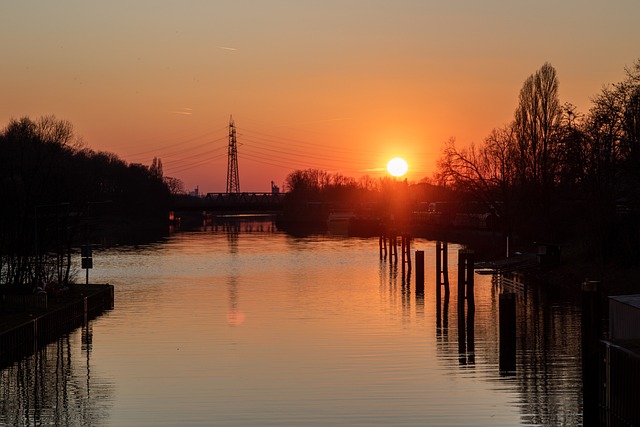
[
  {"x": 313, "y": 194},
  {"x": 56, "y": 193},
  {"x": 559, "y": 175}
]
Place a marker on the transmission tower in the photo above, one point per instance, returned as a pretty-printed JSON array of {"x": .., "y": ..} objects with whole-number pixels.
[{"x": 233, "y": 183}]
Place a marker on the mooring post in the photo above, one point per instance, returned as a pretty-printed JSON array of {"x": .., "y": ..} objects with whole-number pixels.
[
  {"x": 442, "y": 265},
  {"x": 438, "y": 279},
  {"x": 438, "y": 264},
  {"x": 591, "y": 334},
  {"x": 462, "y": 271},
  {"x": 507, "y": 315},
  {"x": 462, "y": 335},
  {"x": 471, "y": 301},
  {"x": 420, "y": 272},
  {"x": 445, "y": 262}
]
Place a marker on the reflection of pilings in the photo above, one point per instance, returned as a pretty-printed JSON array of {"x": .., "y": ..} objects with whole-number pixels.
[
  {"x": 420, "y": 273},
  {"x": 507, "y": 314},
  {"x": 393, "y": 248},
  {"x": 462, "y": 335},
  {"x": 471, "y": 347},
  {"x": 591, "y": 334},
  {"x": 406, "y": 290}
]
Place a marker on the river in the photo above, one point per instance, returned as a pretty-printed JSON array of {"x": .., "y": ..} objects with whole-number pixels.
[{"x": 244, "y": 325}]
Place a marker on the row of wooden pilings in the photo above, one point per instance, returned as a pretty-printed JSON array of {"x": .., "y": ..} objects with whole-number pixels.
[
  {"x": 388, "y": 246},
  {"x": 609, "y": 372}
]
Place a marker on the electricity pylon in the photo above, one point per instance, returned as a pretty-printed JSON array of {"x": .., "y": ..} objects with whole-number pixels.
[{"x": 233, "y": 183}]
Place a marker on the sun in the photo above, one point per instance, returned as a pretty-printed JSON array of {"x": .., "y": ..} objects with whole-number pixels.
[{"x": 397, "y": 166}]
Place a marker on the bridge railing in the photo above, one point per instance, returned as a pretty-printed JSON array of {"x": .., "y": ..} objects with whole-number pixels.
[{"x": 245, "y": 198}]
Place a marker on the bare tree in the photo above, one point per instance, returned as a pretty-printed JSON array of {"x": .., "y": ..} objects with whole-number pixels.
[
  {"x": 537, "y": 124},
  {"x": 488, "y": 171},
  {"x": 175, "y": 185}
]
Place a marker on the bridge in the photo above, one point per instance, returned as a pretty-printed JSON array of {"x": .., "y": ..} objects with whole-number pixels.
[{"x": 231, "y": 203}]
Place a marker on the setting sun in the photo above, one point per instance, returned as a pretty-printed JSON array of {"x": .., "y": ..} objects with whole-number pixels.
[{"x": 397, "y": 166}]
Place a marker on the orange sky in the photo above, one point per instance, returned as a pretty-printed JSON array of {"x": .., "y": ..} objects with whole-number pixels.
[{"x": 341, "y": 86}]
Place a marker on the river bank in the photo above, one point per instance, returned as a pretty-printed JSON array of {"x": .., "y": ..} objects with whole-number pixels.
[{"x": 22, "y": 329}]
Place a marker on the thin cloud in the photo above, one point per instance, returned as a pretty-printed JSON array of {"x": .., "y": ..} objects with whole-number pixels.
[
  {"x": 184, "y": 111},
  {"x": 226, "y": 48},
  {"x": 374, "y": 169}
]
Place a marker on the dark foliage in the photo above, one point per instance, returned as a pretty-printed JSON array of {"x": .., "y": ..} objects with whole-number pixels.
[{"x": 55, "y": 193}]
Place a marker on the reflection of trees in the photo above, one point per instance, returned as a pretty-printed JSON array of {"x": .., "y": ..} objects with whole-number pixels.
[
  {"x": 52, "y": 387},
  {"x": 548, "y": 377}
]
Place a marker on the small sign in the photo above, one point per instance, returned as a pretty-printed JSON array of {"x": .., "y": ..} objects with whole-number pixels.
[
  {"x": 87, "y": 263},
  {"x": 85, "y": 251}
]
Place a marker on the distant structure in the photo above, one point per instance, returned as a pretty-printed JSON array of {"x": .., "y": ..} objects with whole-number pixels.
[{"x": 233, "y": 182}]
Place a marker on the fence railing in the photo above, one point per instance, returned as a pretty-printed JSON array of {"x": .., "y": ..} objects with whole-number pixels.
[
  {"x": 619, "y": 378},
  {"x": 26, "y": 338}
]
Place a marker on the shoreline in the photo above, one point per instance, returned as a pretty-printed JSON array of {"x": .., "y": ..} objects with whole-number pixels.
[{"x": 21, "y": 333}]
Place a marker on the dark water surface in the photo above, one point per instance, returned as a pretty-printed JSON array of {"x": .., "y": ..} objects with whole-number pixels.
[{"x": 249, "y": 326}]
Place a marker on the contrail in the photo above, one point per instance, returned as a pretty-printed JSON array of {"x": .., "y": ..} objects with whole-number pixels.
[
  {"x": 185, "y": 111},
  {"x": 226, "y": 48}
]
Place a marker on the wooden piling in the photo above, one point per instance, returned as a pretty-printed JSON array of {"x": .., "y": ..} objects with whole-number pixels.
[
  {"x": 465, "y": 277},
  {"x": 507, "y": 315},
  {"x": 393, "y": 248},
  {"x": 442, "y": 280},
  {"x": 438, "y": 265},
  {"x": 442, "y": 265},
  {"x": 408, "y": 249}
]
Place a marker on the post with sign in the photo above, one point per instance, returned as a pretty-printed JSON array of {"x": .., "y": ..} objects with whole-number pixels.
[{"x": 87, "y": 260}]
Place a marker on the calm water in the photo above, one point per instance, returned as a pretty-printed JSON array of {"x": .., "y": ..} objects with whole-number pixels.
[{"x": 248, "y": 326}]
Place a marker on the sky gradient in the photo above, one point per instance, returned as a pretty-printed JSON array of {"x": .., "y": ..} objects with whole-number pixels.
[{"x": 342, "y": 86}]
